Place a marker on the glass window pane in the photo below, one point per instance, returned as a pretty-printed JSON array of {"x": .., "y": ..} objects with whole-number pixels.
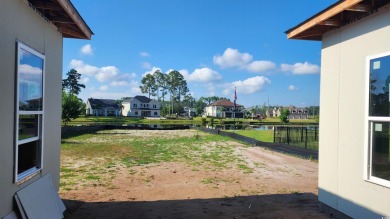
[
  {"x": 28, "y": 126},
  {"x": 380, "y": 158},
  {"x": 379, "y": 86},
  {"x": 30, "y": 81},
  {"x": 28, "y": 156}
]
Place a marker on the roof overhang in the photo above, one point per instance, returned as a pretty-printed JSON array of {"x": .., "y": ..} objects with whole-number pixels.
[
  {"x": 64, "y": 16},
  {"x": 339, "y": 14}
]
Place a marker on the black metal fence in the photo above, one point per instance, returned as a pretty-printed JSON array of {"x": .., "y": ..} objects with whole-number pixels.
[{"x": 301, "y": 136}]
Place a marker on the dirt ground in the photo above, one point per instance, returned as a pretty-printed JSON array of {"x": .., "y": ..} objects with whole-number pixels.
[{"x": 280, "y": 186}]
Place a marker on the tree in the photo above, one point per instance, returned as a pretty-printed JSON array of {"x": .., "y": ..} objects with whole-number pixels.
[
  {"x": 148, "y": 84},
  {"x": 72, "y": 107},
  {"x": 176, "y": 86},
  {"x": 284, "y": 116},
  {"x": 71, "y": 83}
]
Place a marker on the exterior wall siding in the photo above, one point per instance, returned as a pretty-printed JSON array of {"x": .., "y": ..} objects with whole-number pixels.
[
  {"x": 343, "y": 133},
  {"x": 18, "y": 22}
]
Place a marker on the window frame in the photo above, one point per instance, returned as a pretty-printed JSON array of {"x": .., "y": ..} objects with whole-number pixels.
[
  {"x": 18, "y": 112},
  {"x": 369, "y": 122}
]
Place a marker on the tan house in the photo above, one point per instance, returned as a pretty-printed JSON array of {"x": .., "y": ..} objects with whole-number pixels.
[
  {"x": 31, "y": 39},
  {"x": 223, "y": 108},
  {"x": 354, "y": 158}
]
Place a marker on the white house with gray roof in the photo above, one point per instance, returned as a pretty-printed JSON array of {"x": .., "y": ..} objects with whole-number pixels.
[
  {"x": 102, "y": 107},
  {"x": 141, "y": 106}
]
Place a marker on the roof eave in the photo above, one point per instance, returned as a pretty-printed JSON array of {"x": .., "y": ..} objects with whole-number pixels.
[
  {"x": 302, "y": 30},
  {"x": 76, "y": 17}
]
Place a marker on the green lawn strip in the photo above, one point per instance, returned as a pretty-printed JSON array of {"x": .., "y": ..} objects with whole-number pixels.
[{"x": 260, "y": 135}]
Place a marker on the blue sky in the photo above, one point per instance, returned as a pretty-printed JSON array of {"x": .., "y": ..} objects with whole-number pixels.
[{"x": 216, "y": 44}]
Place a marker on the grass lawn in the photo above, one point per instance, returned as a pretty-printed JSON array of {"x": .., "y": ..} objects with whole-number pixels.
[
  {"x": 260, "y": 135},
  {"x": 93, "y": 159}
]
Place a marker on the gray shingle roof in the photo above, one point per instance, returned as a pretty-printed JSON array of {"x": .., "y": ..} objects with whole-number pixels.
[{"x": 103, "y": 103}]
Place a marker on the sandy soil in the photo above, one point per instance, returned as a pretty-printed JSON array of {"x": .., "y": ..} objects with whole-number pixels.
[{"x": 280, "y": 186}]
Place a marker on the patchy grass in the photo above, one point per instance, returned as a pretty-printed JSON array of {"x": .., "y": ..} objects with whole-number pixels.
[{"x": 94, "y": 159}]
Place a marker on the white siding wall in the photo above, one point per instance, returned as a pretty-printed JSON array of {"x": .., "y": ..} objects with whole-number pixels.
[
  {"x": 19, "y": 22},
  {"x": 342, "y": 136}
]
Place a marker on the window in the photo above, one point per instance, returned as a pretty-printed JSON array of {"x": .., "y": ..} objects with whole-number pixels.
[
  {"x": 378, "y": 87},
  {"x": 136, "y": 113},
  {"x": 154, "y": 106},
  {"x": 155, "y": 113},
  {"x": 29, "y": 111},
  {"x": 135, "y": 105}
]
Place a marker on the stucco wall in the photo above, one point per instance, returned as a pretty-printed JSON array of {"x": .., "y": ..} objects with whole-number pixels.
[
  {"x": 19, "y": 22},
  {"x": 342, "y": 182}
]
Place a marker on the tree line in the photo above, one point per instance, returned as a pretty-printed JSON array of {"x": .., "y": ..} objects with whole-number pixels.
[{"x": 173, "y": 85}]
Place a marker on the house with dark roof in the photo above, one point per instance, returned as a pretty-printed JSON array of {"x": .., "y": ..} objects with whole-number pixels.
[
  {"x": 102, "y": 107},
  {"x": 31, "y": 37},
  {"x": 354, "y": 139},
  {"x": 225, "y": 109},
  {"x": 141, "y": 106}
]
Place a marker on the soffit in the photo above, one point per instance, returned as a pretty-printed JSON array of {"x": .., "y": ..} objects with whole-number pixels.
[
  {"x": 339, "y": 14},
  {"x": 64, "y": 16}
]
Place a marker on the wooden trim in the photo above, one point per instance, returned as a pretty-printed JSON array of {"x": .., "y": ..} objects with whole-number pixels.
[
  {"x": 75, "y": 16},
  {"x": 360, "y": 8},
  {"x": 342, "y": 6}
]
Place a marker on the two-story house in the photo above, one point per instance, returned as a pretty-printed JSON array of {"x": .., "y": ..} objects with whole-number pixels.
[
  {"x": 141, "y": 106},
  {"x": 225, "y": 109}
]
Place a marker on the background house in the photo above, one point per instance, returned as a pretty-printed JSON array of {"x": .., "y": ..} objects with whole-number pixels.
[
  {"x": 102, "y": 107},
  {"x": 354, "y": 158},
  {"x": 141, "y": 106},
  {"x": 274, "y": 112},
  {"x": 297, "y": 113},
  {"x": 223, "y": 108},
  {"x": 31, "y": 39}
]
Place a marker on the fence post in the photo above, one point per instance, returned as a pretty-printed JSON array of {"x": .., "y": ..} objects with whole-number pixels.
[
  {"x": 274, "y": 134},
  {"x": 315, "y": 133},
  {"x": 288, "y": 135},
  {"x": 306, "y": 139},
  {"x": 301, "y": 133}
]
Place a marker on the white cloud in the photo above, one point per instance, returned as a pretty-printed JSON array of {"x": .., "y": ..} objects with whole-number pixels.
[
  {"x": 151, "y": 71},
  {"x": 146, "y": 65},
  {"x": 86, "y": 50},
  {"x": 292, "y": 88},
  {"x": 102, "y": 74},
  {"x": 28, "y": 69},
  {"x": 106, "y": 95},
  {"x": 201, "y": 75},
  {"x": 232, "y": 58},
  {"x": 103, "y": 88},
  {"x": 144, "y": 54},
  {"x": 85, "y": 80},
  {"x": 82, "y": 68},
  {"x": 107, "y": 73},
  {"x": 119, "y": 83},
  {"x": 251, "y": 85},
  {"x": 261, "y": 66},
  {"x": 301, "y": 68}
]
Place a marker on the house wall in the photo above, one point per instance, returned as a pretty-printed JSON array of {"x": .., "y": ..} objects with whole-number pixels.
[
  {"x": 343, "y": 136},
  {"x": 19, "y": 22},
  {"x": 129, "y": 110}
]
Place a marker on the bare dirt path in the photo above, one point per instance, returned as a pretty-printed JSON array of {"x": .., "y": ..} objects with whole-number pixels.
[{"x": 276, "y": 186}]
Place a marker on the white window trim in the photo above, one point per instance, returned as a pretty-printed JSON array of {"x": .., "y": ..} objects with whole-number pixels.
[
  {"x": 368, "y": 126},
  {"x": 40, "y": 136}
]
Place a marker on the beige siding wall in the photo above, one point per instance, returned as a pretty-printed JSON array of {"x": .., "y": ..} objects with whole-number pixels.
[
  {"x": 342, "y": 138},
  {"x": 19, "y": 22}
]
